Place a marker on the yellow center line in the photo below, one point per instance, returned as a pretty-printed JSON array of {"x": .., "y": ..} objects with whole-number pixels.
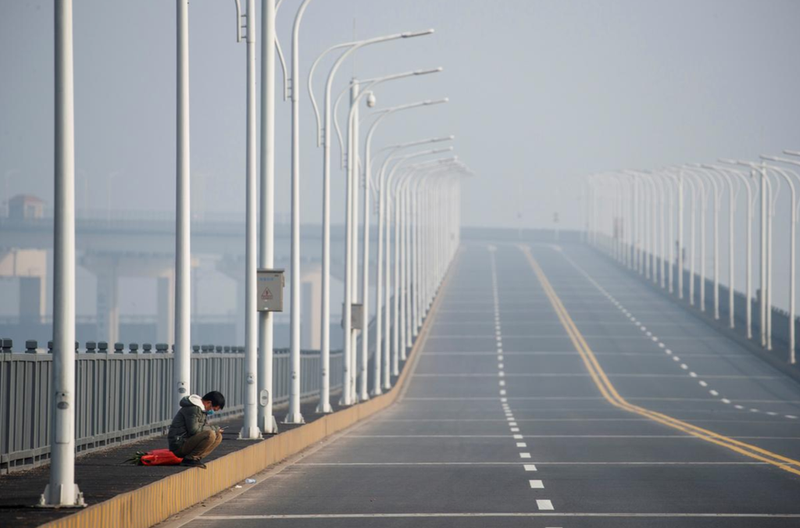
[{"x": 610, "y": 393}]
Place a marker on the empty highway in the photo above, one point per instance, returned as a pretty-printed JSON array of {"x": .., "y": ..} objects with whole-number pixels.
[{"x": 552, "y": 389}]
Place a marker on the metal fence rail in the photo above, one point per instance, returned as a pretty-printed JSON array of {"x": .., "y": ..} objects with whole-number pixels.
[{"x": 124, "y": 394}]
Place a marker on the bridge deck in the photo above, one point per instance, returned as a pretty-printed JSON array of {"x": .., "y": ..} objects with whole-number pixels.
[{"x": 572, "y": 397}]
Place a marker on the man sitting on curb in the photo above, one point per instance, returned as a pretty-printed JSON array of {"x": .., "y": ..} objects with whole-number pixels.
[{"x": 190, "y": 436}]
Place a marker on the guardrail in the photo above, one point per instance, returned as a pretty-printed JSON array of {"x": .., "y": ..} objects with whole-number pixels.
[{"x": 124, "y": 393}]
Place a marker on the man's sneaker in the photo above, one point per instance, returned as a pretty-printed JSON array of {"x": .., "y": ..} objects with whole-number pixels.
[{"x": 191, "y": 462}]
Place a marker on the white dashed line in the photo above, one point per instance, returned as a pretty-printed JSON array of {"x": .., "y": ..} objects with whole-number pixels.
[
  {"x": 530, "y": 467},
  {"x": 536, "y": 484},
  {"x": 524, "y": 455},
  {"x": 544, "y": 505}
]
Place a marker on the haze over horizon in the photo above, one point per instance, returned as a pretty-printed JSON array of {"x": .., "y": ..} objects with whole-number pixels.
[{"x": 541, "y": 94}]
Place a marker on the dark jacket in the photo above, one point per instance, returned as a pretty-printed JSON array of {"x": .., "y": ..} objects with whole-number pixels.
[{"x": 190, "y": 420}]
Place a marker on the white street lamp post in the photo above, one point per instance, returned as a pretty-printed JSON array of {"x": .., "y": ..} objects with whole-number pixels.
[
  {"x": 183, "y": 273},
  {"x": 380, "y": 199},
  {"x": 350, "y": 260},
  {"x": 384, "y": 266},
  {"x": 393, "y": 202},
  {"x": 62, "y": 489},
  {"x": 294, "y": 416},
  {"x": 733, "y": 191},
  {"x": 324, "y": 403},
  {"x": 787, "y": 175},
  {"x": 250, "y": 429},
  {"x": 767, "y": 199},
  {"x": 266, "y": 420}
]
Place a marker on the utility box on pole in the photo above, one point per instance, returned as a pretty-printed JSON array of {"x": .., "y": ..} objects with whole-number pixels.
[
  {"x": 356, "y": 313},
  {"x": 357, "y": 316},
  {"x": 270, "y": 283}
]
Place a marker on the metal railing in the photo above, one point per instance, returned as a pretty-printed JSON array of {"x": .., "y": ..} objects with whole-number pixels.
[{"x": 123, "y": 395}]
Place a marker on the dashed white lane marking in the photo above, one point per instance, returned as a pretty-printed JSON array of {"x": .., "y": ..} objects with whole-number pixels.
[
  {"x": 513, "y": 427},
  {"x": 655, "y": 339}
]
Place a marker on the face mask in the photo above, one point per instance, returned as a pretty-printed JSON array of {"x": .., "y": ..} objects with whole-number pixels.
[{"x": 209, "y": 413}]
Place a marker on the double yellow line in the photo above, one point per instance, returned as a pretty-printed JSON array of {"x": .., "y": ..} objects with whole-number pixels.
[{"x": 610, "y": 393}]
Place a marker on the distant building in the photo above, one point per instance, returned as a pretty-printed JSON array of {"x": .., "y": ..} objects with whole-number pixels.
[{"x": 25, "y": 206}]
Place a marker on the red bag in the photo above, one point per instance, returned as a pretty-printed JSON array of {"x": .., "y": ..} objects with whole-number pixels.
[{"x": 160, "y": 457}]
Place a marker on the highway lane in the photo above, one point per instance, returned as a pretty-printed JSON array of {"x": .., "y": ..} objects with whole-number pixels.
[{"x": 520, "y": 415}]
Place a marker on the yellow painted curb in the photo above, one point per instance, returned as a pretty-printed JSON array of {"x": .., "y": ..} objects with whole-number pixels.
[{"x": 162, "y": 499}]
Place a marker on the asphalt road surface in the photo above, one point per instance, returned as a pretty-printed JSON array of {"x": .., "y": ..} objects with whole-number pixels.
[{"x": 554, "y": 390}]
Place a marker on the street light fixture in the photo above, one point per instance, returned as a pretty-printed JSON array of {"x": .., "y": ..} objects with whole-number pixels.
[
  {"x": 376, "y": 389},
  {"x": 324, "y": 137},
  {"x": 351, "y": 264},
  {"x": 293, "y": 415}
]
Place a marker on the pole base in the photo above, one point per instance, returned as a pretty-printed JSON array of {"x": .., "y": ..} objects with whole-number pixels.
[
  {"x": 268, "y": 424},
  {"x": 294, "y": 419},
  {"x": 324, "y": 407},
  {"x": 376, "y": 392},
  {"x": 66, "y": 498},
  {"x": 250, "y": 433}
]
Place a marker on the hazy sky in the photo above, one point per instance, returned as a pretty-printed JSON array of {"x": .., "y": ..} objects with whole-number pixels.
[{"x": 541, "y": 94}]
